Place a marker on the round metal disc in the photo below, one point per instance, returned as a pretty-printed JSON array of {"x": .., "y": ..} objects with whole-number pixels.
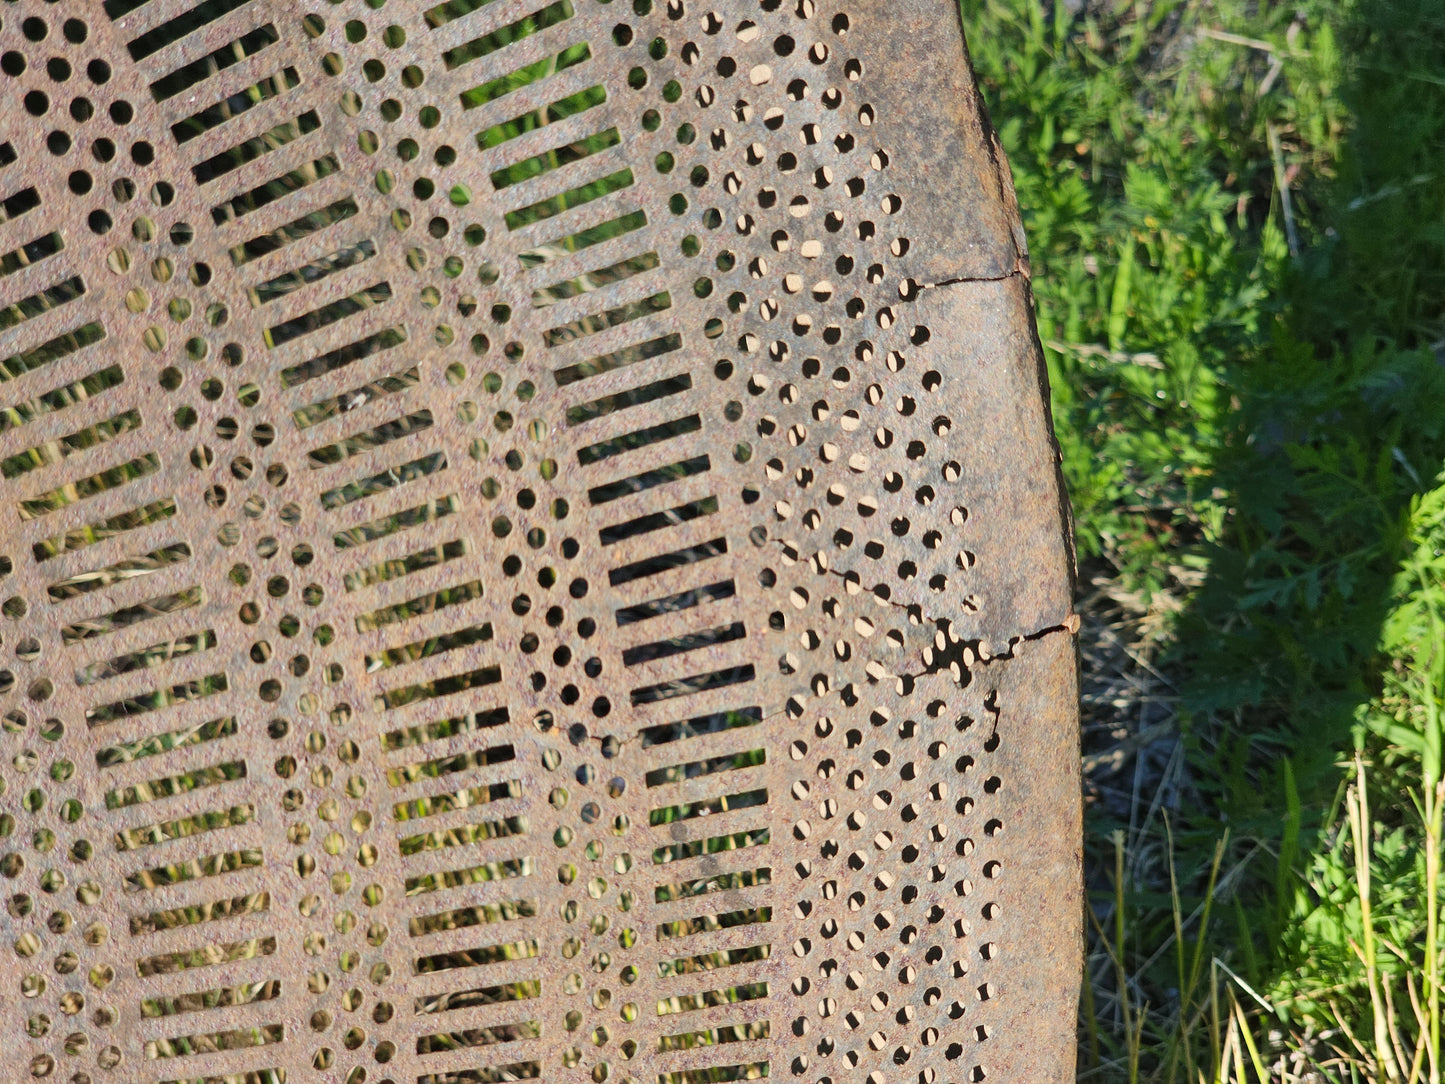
[{"x": 532, "y": 549}]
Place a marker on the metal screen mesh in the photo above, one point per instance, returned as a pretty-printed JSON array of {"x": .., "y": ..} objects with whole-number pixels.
[{"x": 531, "y": 549}]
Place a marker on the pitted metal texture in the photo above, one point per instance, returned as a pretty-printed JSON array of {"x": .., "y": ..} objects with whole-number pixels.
[{"x": 530, "y": 548}]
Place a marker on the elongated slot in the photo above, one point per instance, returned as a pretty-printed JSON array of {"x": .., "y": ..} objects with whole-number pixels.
[
  {"x": 430, "y": 647},
  {"x": 450, "y": 685},
  {"x": 233, "y": 158},
  {"x": 444, "y": 13},
  {"x": 405, "y": 520},
  {"x": 277, "y": 188},
  {"x": 592, "y": 281},
  {"x": 398, "y": 567},
  {"x": 650, "y": 479},
  {"x": 211, "y": 865},
  {"x": 157, "y": 699},
  {"x": 683, "y": 600},
  {"x": 453, "y": 1001},
  {"x": 128, "y": 616},
  {"x": 618, "y": 359},
  {"x": 722, "y": 803},
  {"x": 440, "y": 767},
  {"x": 657, "y": 521},
  {"x": 385, "y": 339},
  {"x": 666, "y": 562},
  {"x": 13, "y": 206},
  {"x": 391, "y": 478},
  {"x": 554, "y": 159},
  {"x": 583, "y": 239},
  {"x": 456, "y": 595},
  {"x": 712, "y": 961},
  {"x": 452, "y": 801},
  {"x": 571, "y": 199},
  {"x": 413, "y": 736},
  {"x": 187, "y": 22},
  {"x": 507, "y": 35},
  {"x": 681, "y": 645},
  {"x": 175, "y": 918},
  {"x": 375, "y": 437},
  {"x": 717, "y": 722},
  {"x": 57, "y": 399},
  {"x": 709, "y": 999},
  {"x": 720, "y": 882},
  {"x": 471, "y": 1038},
  {"x": 717, "y": 1074},
  {"x": 214, "y": 1042},
  {"x": 61, "y": 448},
  {"x": 687, "y": 927},
  {"x": 625, "y": 400},
  {"x": 94, "y": 533},
  {"x": 525, "y": 76},
  {"x": 696, "y": 848},
  {"x": 32, "y": 253},
  {"x": 536, "y": 119},
  {"x": 697, "y": 769},
  {"x": 52, "y": 297},
  {"x": 481, "y": 874},
  {"x": 602, "y": 321},
  {"x": 715, "y": 1036},
  {"x": 462, "y": 835},
  {"x": 154, "y": 745},
  {"x": 180, "y": 783},
  {"x": 297, "y": 229},
  {"x": 214, "y": 820},
  {"x": 242, "y": 101},
  {"x": 486, "y": 1074},
  {"x": 52, "y": 350},
  {"x": 331, "y": 313},
  {"x": 638, "y": 438},
  {"x": 691, "y": 686},
  {"x": 146, "y": 657},
  {"x": 228, "y": 55},
  {"x": 123, "y": 571},
  {"x": 477, "y": 957},
  {"x": 221, "y": 997},
  {"x": 318, "y": 269},
  {"x": 170, "y": 963},
  {"x": 355, "y": 398}
]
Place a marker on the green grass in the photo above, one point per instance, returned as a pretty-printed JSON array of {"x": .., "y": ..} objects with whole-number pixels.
[{"x": 1236, "y": 212}]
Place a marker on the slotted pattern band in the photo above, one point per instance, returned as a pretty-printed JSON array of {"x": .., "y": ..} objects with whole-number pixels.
[{"x": 530, "y": 548}]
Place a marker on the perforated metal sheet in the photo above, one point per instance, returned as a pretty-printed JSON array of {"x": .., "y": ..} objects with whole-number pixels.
[{"x": 532, "y": 549}]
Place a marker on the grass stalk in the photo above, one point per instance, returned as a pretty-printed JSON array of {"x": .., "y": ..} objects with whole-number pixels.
[
  {"x": 1432, "y": 790},
  {"x": 1358, "y": 806}
]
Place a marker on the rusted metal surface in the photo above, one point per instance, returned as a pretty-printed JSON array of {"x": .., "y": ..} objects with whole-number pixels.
[{"x": 532, "y": 548}]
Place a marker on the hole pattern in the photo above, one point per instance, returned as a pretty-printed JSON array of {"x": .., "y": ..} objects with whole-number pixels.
[{"x": 494, "y": 581}]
